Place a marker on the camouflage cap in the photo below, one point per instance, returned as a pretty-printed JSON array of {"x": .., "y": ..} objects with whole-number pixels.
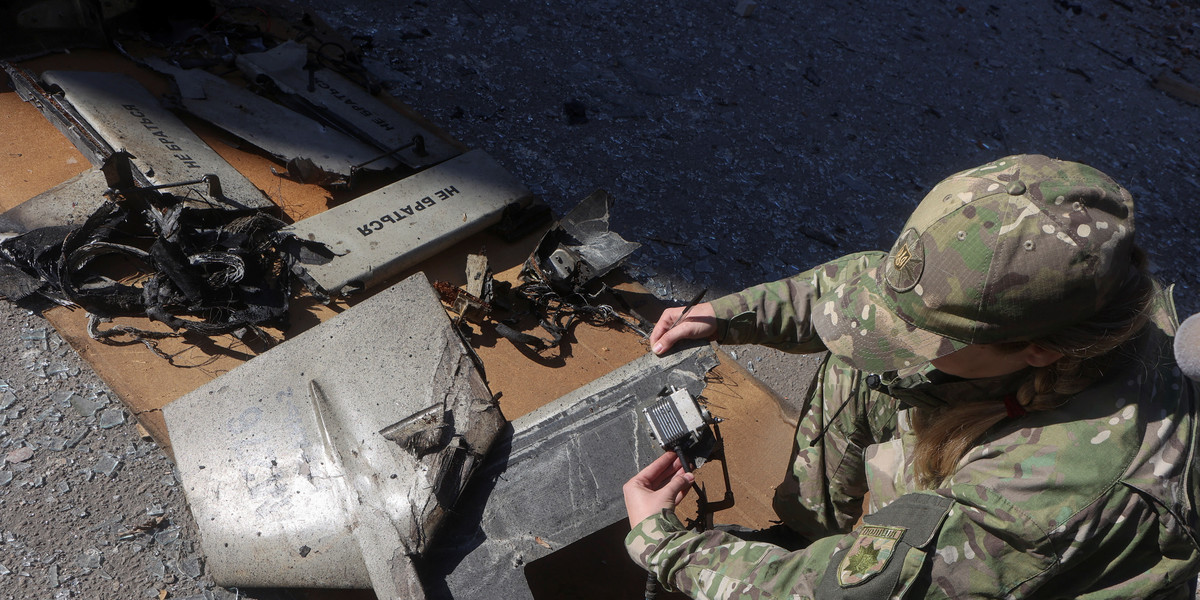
[{"x": 1017, "y": 249}]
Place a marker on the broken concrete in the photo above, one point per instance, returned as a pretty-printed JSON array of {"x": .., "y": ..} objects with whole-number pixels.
[
  {"x": 382, "y": 233},
  {"x": 280, "y": 131},
  {"x": 273, "y": 465},
  {"x": 555, "y": 479},
  {"x": 345, "y": 103},
  {"x": 129, "y": 117}
]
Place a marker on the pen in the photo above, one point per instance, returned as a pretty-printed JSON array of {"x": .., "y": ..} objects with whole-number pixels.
[{"x": 687, "y": 309}]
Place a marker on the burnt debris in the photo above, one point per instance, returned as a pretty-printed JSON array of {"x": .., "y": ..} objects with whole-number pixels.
[{"x": 145, "y": 252}]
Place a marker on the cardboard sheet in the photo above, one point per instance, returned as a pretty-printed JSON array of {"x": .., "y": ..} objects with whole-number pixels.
[{"x": 35, "y": 156}]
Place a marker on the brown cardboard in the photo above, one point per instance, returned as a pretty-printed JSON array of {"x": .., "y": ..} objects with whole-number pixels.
[{"x": 35, "y": 156}]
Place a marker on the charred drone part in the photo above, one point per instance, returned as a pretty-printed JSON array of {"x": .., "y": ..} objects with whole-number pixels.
[
  {"x": 580, "y": 248},
  {"x": 473, "y": 305},
  {"x": 424, "y": 432},
  {"x": 417, "y": 144},
  {"x": 573, "y": 254},
  {"x": 124, "y": 179},
  {"x": 359, "y": 174},
  {"x": 62, "y": 115},
  {"x": 119, "y": 173},
  {"x": 679, "y": 424},
  {"x": 520, "y": 220},
  {"x": 474, "y": 302},
  {"x": 206, "y": 271}
]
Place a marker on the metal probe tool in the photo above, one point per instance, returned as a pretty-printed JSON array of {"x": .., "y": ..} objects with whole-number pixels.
[{"x": 688, "y": 308}]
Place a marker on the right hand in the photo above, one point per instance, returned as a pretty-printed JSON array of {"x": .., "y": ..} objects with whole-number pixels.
[
  {"x": 700, "y": 323},
  {"x": 662, "y": 484}
]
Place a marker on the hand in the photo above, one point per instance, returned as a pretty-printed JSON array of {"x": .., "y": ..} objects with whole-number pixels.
[
  {"x": 700, "y": 323},
  {"x": 661, "y": 485}
]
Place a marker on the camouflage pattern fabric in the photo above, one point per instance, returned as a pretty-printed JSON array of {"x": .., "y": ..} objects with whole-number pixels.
[
  {"x": 1095, "y": 499},
  {"x": 1012, "y": 250}
]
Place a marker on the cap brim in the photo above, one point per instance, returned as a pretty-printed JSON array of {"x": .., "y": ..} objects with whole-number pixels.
[{"x": 858, "y": 326}]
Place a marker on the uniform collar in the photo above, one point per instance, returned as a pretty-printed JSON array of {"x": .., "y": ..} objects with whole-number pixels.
[{"x": 932, "y": 389}]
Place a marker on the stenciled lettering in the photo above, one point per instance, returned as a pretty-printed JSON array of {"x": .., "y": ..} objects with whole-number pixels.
[
  {"x": 403, "y": 212},
  {"x": 162, "y": 136},
  {"x": 354, "y": 106}
]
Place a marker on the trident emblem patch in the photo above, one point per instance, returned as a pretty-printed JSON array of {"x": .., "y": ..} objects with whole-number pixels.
[{"x": 869, "y": 554}]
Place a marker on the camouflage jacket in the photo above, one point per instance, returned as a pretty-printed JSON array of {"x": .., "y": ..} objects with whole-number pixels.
[{"x": 1095, "y": 499}]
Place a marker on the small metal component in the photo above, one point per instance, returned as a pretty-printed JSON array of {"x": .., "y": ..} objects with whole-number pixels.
[
  {"x": 562, "y": 263},
  {"x": 874, "y": 382},
  {"x": 676, "y": 419},
  {"x": 681, "y": 425}
]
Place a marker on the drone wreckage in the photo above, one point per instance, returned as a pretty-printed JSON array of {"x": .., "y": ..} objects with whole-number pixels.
[{"x": 211, "y": 256}]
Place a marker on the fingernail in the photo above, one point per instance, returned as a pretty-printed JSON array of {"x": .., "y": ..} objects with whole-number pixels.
[{"x": 658, "y": 349}]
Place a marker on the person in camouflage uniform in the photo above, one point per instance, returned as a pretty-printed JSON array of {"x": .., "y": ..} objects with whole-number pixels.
[{"x": 1001, "y": 383}]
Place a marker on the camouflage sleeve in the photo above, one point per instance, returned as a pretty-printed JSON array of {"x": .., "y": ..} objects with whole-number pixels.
[
  {"x": 922, "y": 545},
  {"x": 778, "y": 314},
  {"x": 716, "y": 565}
]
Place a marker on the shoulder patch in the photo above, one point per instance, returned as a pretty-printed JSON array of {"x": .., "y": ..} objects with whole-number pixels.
[{"x": 869, "y": 555}]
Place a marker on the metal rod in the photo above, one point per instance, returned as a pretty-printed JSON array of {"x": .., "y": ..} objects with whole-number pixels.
[{"x": 687, "y": 309}]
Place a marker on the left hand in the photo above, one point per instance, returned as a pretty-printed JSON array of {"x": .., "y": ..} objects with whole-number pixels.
[{"x": 661, "y": 485}]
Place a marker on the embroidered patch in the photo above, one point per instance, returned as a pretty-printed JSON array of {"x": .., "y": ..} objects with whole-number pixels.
[
  {"x": 905, "y": 263},
  {"x": 869, "y": 554},
  {"x": 902, "y": 257}
]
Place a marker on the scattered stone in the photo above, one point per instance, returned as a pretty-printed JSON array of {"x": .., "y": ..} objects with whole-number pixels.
[
  {"x": 19, "y": 455},
  {"x": 60, "y": 369},
  {"x": 745, "y": 8},
  {"x": 90, "y": 559},
  {"x": 157, "y": 568},
  {"x": 61, "y": 398},
  {"x": 71, "y": 443},
  {"x": 4, "y": 570},
  {"x": 575, "y": 111},
  {"x": 7, "y": 399},
  {"x": 192, "y": 567},
  {"x": 5, "y": 477},
  {"x": 34, "y": 335},
  {"x": 107, "y": 465},
  {"x": 52, "y": 576},
  {"x": 112, "y": 417},
  {"x": 86, "y": 407},
  {"x": 156, "y": 511},
  {"x": 50, "y": 415},
  {"x": 62, "y": 487},
  {"x": 55, "y": 443},
  {"x": 167, "y": 536}
]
